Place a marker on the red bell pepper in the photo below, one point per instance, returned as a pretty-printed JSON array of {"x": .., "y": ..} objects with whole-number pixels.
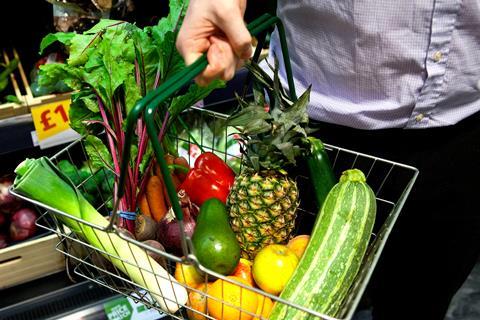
[{"x": 211, "y": 177}]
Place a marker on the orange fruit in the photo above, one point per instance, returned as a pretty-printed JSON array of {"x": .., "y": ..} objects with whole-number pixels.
[
  {"x": 273, "y": 266},
  {"x": 244, "y": 271},
  {"x": 198, "y": 302},
  {"x": 188, "y": 274},
  {"x": 264, "y": 307},
  {"x": 233, "y": 301},
  {"x": 299, "y": 244}
]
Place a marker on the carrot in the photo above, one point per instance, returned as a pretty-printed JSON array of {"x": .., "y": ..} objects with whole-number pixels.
[
  {"x": 181, "y": 161},
  {"x": 158, "y": 173},
  {"x": 155, "y": 198},
  {"x": 144, "y": 208}
]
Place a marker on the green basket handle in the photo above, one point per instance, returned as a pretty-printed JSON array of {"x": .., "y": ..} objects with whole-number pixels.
[{"x": 153, "y": 99}]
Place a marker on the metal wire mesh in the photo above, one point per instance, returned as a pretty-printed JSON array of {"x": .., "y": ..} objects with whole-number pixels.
[{"x": 390, "y": 181}]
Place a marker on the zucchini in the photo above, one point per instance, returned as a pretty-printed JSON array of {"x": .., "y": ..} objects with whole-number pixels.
[
  {"x": 334, "y": 254},
  {"x": 321, "y": 172}
]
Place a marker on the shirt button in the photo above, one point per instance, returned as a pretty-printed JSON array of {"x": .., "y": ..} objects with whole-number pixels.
[
  {"x": 437, "y": 56},
  {"x": 419, "y": 117}
]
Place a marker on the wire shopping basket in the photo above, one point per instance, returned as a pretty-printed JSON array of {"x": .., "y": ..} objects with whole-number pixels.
[{"x": 390, "y": 181}]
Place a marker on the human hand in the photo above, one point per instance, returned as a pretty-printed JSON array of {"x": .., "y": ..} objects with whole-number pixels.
[{"x": 215, "y": 27}]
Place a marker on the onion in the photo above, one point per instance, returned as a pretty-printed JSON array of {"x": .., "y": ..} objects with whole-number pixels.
[
  {"x": 169, "y": 230},
  {"x": 156, "y": 245},
  {"x": 8, "y": 202},
  {"x": 3, "y": 220},
  {"x": 3, "y": 240},
  {"x": 22, "y": 225}
]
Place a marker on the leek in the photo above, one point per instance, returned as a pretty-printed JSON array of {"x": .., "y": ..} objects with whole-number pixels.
[{"x": 41, "y": 180}]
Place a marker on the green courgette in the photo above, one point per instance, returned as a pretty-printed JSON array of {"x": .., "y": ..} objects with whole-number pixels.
[
  {"x": 335, "y": 251},
  {"x": 321, "y": 172}
]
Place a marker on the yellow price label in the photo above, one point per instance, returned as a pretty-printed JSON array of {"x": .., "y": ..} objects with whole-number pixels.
[{"x": 51, "y": 119}]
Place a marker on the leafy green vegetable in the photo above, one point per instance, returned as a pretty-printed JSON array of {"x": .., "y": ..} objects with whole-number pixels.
[
  {"x": 63, "y": 37},
  {"x": 194, "y": 94},
  {"x": 9, "y": 68},
  {"x": 70, "y": 171},
  {"x": 40, "y": 180},
  {"x": 112, "y": 66},
  {"x": 103, "y": 25},
  {"x": 11, "y": 98},
  {"x": 50, "y": 74},
  {"x": 97, "y": 152}
]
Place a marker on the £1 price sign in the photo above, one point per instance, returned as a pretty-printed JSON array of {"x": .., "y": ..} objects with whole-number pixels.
[{"x": 51, "y": 119}]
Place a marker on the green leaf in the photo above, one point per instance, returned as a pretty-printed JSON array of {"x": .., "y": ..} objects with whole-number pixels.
[
  {"x": 175, "y": 17},
  {"x": 194, "y": 94},
  {"x": 133, "y": 154},
  {"x": 9, "y": 68},
  {"x": 132, "y": 93},
  {"x": 11, "y": 98},
  {"x": 97, "y": 152},
  {"x": 3, "y": 84},
  {"x": 104, "y": 24},
  {"x": 79, "y": 112},
  {"x": 62, "y": 37},
  {"x": 52, "y": 73},
  {"x": 94, "y": 61},
  {"x": 80, "y": 48},
  {"x": 247, "y": 115},
  {"x": 147, "y": 156},
  {"x": 90, "y": 103}
]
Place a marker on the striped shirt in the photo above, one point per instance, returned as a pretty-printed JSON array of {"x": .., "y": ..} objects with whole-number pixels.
[{"x": 384, "y": 64}]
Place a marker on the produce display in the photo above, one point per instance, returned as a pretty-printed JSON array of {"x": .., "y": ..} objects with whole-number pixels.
[
  {"x": 241, "y": 216},
  {"x": 17, "y": 219}
]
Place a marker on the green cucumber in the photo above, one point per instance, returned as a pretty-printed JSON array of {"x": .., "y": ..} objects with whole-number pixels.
[
  {"x": 321, "y": 172},
  {"x": 335, "y": 251}
]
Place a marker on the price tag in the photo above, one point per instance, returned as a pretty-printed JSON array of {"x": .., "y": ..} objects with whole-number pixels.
[
  {"x": 51, "y": 119},
  {"x": 124, "y": 308}
]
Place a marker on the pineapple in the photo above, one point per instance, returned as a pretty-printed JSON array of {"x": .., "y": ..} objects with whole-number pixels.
[{"x": 263, "y": 201}]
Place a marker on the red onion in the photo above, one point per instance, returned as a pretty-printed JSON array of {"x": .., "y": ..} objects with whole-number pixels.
[
  {"x": 3, "y": 240},
  {"x": 169, "y": 231},
  {"x": 22, "y": 225},
  {"x": 158, "y": 258},
  {"x": 8, "y": 202},
  {"x": 3, "y": 220}
]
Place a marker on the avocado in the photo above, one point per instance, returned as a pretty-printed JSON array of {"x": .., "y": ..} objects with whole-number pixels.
[{"x": 214, "y": 242}]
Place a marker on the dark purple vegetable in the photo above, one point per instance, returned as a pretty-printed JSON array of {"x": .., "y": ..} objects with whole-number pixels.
[
  {"x": 126, "y": 233},
  {"x": 3, "y": 240},
  {"x": 8, "y": 202},
  {"x": 22, "y": 224},
  {"x": 156, "y": 245},
  {"x": 169, "y": 231},
  {"x": 3, "y": 220}
]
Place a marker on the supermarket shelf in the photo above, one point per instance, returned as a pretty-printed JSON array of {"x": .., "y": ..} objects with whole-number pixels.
[
  {"x": 57, "y": 297},
  {"x": 15, "y": 133}
]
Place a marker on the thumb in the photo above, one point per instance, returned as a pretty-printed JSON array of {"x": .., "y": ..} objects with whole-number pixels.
[{"x": 238, "y": 35}]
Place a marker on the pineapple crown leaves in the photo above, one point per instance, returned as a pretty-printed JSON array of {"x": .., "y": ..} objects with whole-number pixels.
[{"x": 271, "y": 140}]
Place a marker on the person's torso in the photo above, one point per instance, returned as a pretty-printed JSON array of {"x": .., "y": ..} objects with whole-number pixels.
[{"x": 385, "y": 64}]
